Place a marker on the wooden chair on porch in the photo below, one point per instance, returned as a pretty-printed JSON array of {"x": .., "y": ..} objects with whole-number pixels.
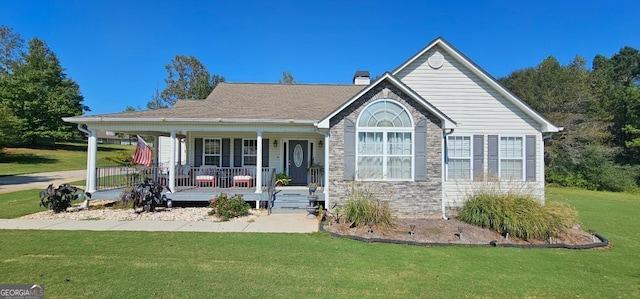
[
  {"x": 243, "y": 178},
  {"x": 182, "y": 176},
  {"x": 206, "y": 174}
]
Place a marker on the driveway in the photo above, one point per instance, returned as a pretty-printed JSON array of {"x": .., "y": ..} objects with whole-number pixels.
[{"x": 13, "y": 183}]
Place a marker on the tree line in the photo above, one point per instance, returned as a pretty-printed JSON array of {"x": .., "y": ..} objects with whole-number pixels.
[{"x": 599, "y": 109}]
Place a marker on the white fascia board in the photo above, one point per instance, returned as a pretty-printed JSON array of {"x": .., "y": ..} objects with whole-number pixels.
[{"x": 86, "y": 120}]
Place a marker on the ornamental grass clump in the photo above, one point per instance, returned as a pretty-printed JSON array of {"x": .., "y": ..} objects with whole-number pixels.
[
  {"x": 518, "y": 215},
  {"x": 226, "y": 207},
  {"x": 363, "y": 208}
]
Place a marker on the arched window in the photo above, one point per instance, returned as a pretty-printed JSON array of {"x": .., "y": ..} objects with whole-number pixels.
[{"x": 385, "y": 142}]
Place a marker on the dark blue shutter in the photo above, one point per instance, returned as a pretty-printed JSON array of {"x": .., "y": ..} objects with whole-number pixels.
[
  {"x": 492, "y": 158},
  {"x": 265, "y": 152},
  {"x": 349, "y": 150},
  {"x": 478, "y": 157},
  {"x": 237, "y": 152},
  {"x": 530, "y": 155},
  {"x": 421, "y": 151},
  {"x": 199, "y": 151},
  {"x": 226, "y": 152}
]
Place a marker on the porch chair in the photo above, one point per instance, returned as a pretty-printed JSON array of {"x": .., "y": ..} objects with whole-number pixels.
[
  {"x": 206, "y": 174},
  {"x": 244, "y": 178},
  {"x": 182, "y": 175}
]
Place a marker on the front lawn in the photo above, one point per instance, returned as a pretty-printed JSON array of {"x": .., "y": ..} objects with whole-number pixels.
[
  {"x": 58, "y": 157},
  {"x": 80, "y": 264}
]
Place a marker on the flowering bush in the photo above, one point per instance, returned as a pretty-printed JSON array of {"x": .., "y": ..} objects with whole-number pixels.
[{"x": 227, "y": 207}]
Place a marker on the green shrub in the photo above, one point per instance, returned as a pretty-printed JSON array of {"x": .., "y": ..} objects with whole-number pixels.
[
  {"x": 123, "y": 158},
  {"x": 594, "y": 169},
  {"x": 59, "y": 199},
  {"x": 519, "y": 215},
  {"x": 228, "y": 207},
  {"x": 362, "y": 208}
]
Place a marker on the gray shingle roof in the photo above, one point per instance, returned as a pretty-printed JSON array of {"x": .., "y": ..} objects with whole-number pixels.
[{"x": 259, "y": 101}]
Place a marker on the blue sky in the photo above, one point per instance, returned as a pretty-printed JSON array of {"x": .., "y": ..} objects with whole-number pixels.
[{"x": 116, "y": 50}]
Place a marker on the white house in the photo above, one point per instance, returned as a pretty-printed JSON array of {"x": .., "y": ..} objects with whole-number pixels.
[{"x": 420, "y": 136}]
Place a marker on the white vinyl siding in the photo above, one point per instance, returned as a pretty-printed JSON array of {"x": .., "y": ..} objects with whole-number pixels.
[
  {"x": 477, "y": 108},
  {"x": 459, "y": 151},
  {"x": 465, "y": 98},
  {"x": 511, "y": 151}
]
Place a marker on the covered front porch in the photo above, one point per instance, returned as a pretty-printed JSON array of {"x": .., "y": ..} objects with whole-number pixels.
[{"x": 218, "y": 160}]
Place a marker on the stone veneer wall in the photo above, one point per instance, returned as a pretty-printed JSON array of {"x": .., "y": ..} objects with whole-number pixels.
[{"x": 407, "y": 199}]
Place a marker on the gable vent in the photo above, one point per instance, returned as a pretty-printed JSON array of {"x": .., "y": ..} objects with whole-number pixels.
[{"x": 436, "y": 60}]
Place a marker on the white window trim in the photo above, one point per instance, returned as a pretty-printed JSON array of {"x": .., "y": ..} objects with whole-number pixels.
[
  {"x": 385, "y": 131},
  {"x": 204, "y": 152},
  {"x": 242, "y": 150},
  {"x": 461, "y": 158},
  {"x": 522, "y": 157}
]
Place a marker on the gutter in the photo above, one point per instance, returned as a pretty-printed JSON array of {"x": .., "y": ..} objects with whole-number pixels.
[
  {"x": 442, "y": 183},
  {"x": 85, "y": 120}
]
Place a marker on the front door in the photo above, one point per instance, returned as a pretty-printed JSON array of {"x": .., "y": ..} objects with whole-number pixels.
[{"x": 298, "y": 161}]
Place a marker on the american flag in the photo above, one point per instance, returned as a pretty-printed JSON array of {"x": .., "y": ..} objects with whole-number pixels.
[{"x": 143, "y": 154}]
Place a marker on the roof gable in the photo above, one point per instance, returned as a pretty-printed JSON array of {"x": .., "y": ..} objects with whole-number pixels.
[
  {"x": 442, "y": 44},
  {"x": 447, "y": 123}
]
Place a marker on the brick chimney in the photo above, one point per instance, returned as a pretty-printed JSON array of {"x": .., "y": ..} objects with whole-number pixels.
[{"x": 361, "y": 78}]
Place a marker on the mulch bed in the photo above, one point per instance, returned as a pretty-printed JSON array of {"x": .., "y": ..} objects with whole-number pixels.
[{"x": 452, "y": 232}]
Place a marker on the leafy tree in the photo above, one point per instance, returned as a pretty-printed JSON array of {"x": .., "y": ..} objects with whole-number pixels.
[
  {"x": 11, "y": 45},
  {"x": 617, "y": 83},
  {"x": 156, "y": 102},
  {"x": 287, "y": 78},
  {"x": 187, "y": 78},
  {"x": 8, "y": 128},
  {"x": 39, "y": 94}
]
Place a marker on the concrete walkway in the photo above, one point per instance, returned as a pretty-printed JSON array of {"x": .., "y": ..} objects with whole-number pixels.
[
  {"x": 13, "y": 183},
  {"x": 274, "y": 223}
]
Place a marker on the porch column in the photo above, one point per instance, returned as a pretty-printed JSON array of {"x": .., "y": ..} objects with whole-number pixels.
[
  {"x": 326, "y": 170},
  {"x": 259, "y": 164},
  {"x": 180, "y": 150},
  {"x": 156, "y": 150},
  {"x": 92, "y": 151},
  {"x": 172, "y": 163}
]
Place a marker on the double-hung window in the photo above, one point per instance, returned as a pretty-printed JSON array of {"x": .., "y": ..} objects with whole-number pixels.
[
  {"x": 212, "y": 152},
  {"x": 249, "y": 152},
  {"x": 511, "y": 157},
  {"x": 384, "y": 142},
  {"x": 459, "y": 153}
]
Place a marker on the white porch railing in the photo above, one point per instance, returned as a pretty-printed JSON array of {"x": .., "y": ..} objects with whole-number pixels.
[{"x": 186, "y": 177}]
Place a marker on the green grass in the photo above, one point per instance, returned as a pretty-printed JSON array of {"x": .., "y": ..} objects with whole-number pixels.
[
  {"x": 81, "y": 264},
  {"x": 59, "y": 157},
  {"x": 20, "y": 203}
]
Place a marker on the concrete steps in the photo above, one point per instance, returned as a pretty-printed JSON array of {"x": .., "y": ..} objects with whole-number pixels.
[{"x": 290, "y": 203}]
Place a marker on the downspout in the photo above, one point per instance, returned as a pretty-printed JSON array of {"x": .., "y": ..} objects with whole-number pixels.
[
  {"x": 445, "y": 161},
  {"x": 327, "y": 199}
]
